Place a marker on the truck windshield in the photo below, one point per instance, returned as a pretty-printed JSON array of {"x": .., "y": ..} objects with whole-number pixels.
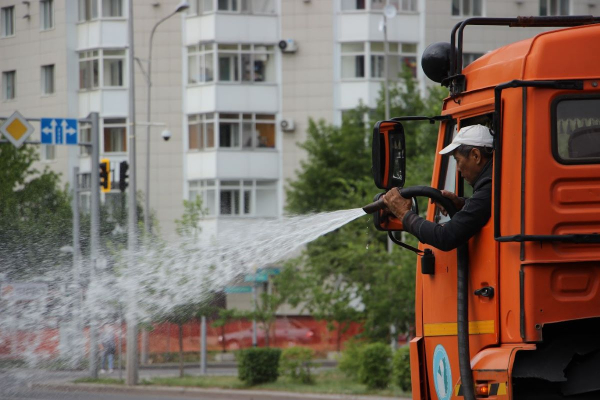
[{"x": 577, "y": 130}]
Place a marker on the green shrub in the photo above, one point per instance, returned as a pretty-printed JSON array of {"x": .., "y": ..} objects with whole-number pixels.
[
  {"x": 351, "y": 358},
  {"x": 296, "y": 363},
  {"x": 258, "y": 365},
  {"x": 376, "y": 366},
  {"x": 401, "y": 368}
]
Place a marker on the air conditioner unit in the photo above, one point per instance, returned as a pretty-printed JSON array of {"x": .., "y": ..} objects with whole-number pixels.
[
  {"x": 288, "y": 46},
  {"x": 287, "y": 125}
]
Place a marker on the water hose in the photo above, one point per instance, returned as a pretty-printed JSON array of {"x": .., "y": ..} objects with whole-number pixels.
[{"x": 462, "y": 290}]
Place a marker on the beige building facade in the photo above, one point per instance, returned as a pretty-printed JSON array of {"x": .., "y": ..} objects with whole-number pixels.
[{"x": 236, "y": 102}]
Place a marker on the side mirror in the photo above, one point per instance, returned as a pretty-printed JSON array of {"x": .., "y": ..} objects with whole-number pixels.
[{"x": 389, "y": 156}]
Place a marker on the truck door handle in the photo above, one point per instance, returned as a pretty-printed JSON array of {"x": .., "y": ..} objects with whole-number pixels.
[{"x": 487, "y": 291}]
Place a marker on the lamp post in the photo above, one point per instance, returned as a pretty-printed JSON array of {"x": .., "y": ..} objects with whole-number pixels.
[{"x": 182, "y": 6}]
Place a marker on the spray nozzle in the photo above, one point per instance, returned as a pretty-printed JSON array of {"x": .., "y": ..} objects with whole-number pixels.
[{"x": 376, "y": 205}]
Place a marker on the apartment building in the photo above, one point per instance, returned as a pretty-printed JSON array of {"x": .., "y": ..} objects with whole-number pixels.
[{"x": 235, "y": 102}]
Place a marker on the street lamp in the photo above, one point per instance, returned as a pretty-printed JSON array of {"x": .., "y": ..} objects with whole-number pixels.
[{"x": 182, "y": 6}]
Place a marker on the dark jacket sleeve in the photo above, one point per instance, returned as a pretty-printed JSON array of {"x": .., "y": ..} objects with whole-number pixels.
[{"x": 463, "y": 226}]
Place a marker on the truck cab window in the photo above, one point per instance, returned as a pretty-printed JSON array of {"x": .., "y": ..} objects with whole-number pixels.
[
  {"x": 449, "y": 180},
  {"x": 576, "y": 133}
]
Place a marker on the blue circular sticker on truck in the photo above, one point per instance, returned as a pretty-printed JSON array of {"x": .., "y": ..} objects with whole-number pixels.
[{"x": 442, "y": 374}]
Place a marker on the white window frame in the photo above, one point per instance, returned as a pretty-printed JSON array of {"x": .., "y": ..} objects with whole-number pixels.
[
  {"x": 245, "y": 7},
  {"x": 48, "y": 79},
  {"x": 7, "y": 21},
  {"x": 402, "y": 6},
  {"x": 200, "y": 7},
  {"x": 372, "y": 57},
  {"x": 48, "y": 152},
  {"x": 90, "y": 12},
  {"x": 9, "y": 85},
  {"x": 118, "y": 55},
  {"x": 96, "y": 60},
  {"x": 203, "y": 56},
  {"x": 554, "y": 7},
  {"x": 109, "y": 6},
  {"x": 471, "y": 5},
  {"x": 243, "y": 121},
  {"x": 241, "y": 51},
  {"x": 354, "y": 54},
  {"x": 246, "y": 190},
  {"x": 46, "y": 15},
  {"x": 109, "y": 123}
]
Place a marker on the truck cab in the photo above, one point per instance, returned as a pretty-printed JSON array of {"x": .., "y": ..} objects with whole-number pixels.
[{"x": 532, "y": 284}]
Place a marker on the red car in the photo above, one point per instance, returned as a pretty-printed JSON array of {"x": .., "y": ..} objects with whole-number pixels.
[{"x": 283, "y": 332}]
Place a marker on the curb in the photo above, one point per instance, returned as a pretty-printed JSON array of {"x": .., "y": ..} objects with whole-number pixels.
[{"x": 217, "y": 393}]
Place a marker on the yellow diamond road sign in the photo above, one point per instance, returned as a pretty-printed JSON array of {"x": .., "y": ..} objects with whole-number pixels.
[{"x": 16, "y": 129}]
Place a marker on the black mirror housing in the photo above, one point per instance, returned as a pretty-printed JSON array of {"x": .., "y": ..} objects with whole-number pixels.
[{"x": 389, "y": 155}]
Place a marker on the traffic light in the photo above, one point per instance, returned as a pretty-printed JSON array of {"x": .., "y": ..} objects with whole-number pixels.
[
  {"x": 123, "y": 168},
  {"x": 105, "y": 179}
]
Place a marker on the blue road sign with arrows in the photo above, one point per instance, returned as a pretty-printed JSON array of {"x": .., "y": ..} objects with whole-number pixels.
[{"x": 59, "y": 130}]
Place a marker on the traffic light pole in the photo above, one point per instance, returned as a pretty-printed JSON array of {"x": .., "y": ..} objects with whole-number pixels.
[
  {"x": 132, "y": 342},
  {"x": 94, "y": 234}
]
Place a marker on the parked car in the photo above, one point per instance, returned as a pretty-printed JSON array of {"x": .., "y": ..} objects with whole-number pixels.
[{"x": 283, "y": 332}]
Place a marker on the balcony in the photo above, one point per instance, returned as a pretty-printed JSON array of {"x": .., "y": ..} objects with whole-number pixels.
[
  {"x": 233, "y": 164},
  {"x": 259, "y": 98},
  {"x": 364, "y": 26},
  {"x": 109, "y": 33},
  {"x": 108, "y": 102},
  {"x": 232, "y": 28}
]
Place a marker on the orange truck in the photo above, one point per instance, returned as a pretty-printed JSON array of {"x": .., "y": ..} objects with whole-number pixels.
[{"x": 515, "y": 312}]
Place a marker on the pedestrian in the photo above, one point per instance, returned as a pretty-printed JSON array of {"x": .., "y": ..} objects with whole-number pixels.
[{"x": 107, "y": 343}]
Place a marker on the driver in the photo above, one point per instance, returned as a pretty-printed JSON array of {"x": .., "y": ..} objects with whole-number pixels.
[{"x": 472, "y": 149}]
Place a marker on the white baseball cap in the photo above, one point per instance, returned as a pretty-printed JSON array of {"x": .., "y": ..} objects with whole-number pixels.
[{"x": 473, "y": 135}]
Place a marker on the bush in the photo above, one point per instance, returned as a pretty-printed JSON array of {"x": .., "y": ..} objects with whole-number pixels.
[
  {"x": 258, "y": 365},
  {"x": 296, "y": 363},
  {"x": 376, "y": 367},
  {"x": 401, "y": 368},
  {"x": 350, "y": 360}
]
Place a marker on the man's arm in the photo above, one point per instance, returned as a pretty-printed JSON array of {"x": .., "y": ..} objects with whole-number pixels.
[{"x": 464, "y": 225}]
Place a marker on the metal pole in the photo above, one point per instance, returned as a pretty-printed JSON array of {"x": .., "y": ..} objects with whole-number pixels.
[
  {"x": 254, "y": 298},
  {"x": 76, "y": 266},
  {"x": 132, "y": 348},
  {"x": 203, "y": 346},
  {"x": 95, "y": 233},
  {"x": 120, "y": 343}
]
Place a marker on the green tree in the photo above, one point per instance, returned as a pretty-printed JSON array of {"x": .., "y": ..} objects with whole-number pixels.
[
  {"x": 35, "y": 214},
  {"x": 353, "y": 261}
]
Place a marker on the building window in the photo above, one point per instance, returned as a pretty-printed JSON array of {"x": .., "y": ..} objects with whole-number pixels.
[
  {"x": 48, "y": 152},
  {"x": 88, "y": 10},
  {"x": 239, "y": 131},
  {"x": 253, "y": 198},
  {"x": 7, "y": 15},
  {"x": 113, "y": 68},
  {"x": 47, "y": 79},
  {"x": 9, "y": 81},
  {"x": 115, "y": 135},
  {"x": 353, "y": 60},
  {"x": 88, "y": 70},
  {"x": 199, "y": 7},
  {"x": 378, "y": 5},
  {"x": 46, "y": 14},
  {"x": 113, "y": 62},
  {"x": 112, "y": 8},
  {"x": 554, "y": 7},
  {"x": 201, "y": 63},
  {"x": 201, "y": 131},
  {"x": 246, "y": 63},
  {"x": 468, "y": 58},
  {"x": 247, "y": 6},
  {"x": 85, "y": 136},
  {"x": 467, "y": 8},
  {"x": 400, "y": 55}
]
